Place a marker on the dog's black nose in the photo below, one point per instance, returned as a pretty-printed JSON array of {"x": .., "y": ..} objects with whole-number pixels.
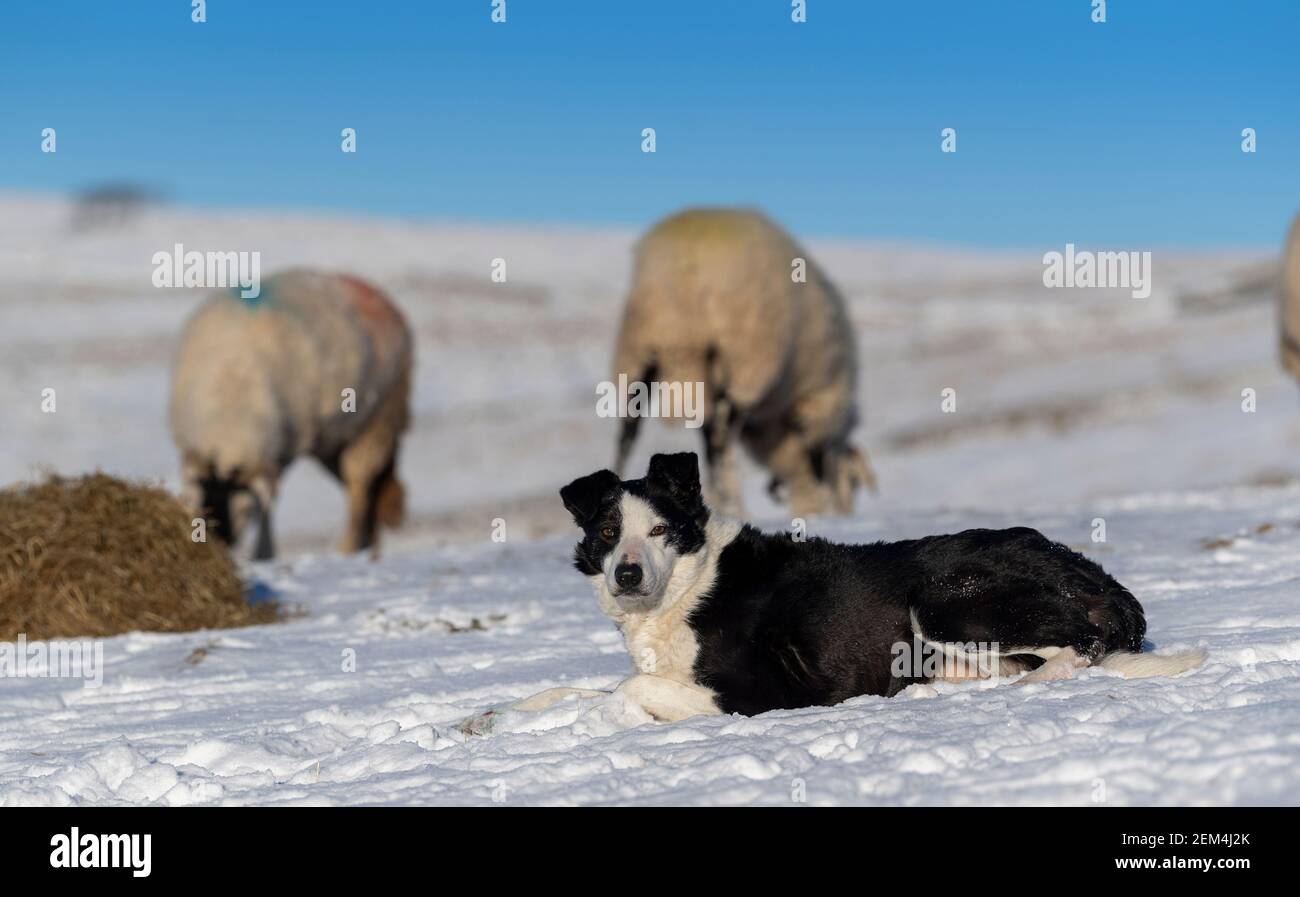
[{"x": 628, "y": 576}]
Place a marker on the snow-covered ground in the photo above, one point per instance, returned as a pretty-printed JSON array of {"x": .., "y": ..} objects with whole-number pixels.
[{"x": 1071, "y": 405}]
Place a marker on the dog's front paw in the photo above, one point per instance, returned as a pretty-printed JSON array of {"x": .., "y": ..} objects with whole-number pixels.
[{"x": 478, "y": 724}]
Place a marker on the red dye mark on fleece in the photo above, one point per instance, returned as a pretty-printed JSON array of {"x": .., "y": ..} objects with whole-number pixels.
[{"x": 381, "y": 318}]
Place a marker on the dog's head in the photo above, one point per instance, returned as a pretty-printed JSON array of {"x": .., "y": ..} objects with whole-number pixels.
[{"x": 636, "y": 531}]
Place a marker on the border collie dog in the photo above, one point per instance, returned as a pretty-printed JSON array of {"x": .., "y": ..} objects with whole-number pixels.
[{"x": 721, "y": 618}]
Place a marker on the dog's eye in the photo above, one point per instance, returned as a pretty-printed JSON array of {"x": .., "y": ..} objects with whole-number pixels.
[
  {"x": 659, "y": 530},
  {"x": 607, "y": 533}
]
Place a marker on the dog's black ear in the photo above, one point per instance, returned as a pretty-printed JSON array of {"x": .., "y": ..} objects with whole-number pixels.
[
  {"x": 678, "y": 476},
  {"x": 584, "y": 496}
]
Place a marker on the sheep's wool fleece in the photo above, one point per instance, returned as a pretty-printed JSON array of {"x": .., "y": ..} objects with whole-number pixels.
[
  {"x": 263, "y": 380},
  {"x": 1291, "y": 301},
  {"x": 720, "y": 281}
]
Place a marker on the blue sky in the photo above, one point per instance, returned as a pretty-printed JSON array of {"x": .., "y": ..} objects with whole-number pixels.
[{"x": 1123, "y": 134}]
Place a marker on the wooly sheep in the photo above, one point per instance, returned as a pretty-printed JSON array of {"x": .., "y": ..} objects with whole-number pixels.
[
  {"x": 715, "y": 298},
  {"x": 318, "y": 364},
  {"x": 1291, "y": 301}
]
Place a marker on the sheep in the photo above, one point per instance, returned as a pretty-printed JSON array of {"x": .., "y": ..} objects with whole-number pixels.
[
  {"x": 716, "y": 298},
  {"x": 318, "y": 364},
  {"x": 1290, "y": 317}
]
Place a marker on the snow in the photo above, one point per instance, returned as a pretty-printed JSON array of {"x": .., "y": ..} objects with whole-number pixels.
[{"x": 1072, "y": 405}]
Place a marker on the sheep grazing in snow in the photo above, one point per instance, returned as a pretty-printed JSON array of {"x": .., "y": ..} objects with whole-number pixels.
[
  {"x": 727, "y": 298},
  {"x": 1291, "y": 301},
  {"x": 318, "y": 364}
]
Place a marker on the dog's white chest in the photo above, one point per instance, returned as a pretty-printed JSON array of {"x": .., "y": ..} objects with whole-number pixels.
[{"x": 663, "y": 647}]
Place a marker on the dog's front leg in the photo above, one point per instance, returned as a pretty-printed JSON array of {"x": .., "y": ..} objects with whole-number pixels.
[
  {"x": 482, "y": 723},
  {"x": 668, "y": 700},
  {"x": 546, "y": 699}
]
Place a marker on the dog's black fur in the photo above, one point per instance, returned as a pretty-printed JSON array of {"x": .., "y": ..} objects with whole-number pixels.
[{"x": 791, "y": 623}]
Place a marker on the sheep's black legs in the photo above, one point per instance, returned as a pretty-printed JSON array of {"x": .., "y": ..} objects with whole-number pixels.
[
  {"x": 720, "y": 433},
  {"x": 265, "y": 550}
]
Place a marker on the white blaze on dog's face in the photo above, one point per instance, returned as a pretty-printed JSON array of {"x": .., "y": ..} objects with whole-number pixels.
[
  {"x": 635, "y": 532},
  {"x": 641, "y": 562}
]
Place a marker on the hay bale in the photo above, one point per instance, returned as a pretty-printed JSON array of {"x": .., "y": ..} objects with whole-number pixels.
[{"x": 97, "y": 556}]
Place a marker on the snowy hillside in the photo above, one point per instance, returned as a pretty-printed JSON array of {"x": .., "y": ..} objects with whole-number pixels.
[{"x": 1071, "y": 405}]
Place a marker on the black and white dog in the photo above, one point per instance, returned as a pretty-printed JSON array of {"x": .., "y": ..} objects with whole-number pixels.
[{"x": 721, "y": 618}]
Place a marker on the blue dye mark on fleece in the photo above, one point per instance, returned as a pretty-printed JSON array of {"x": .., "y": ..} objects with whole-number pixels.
[{"x": 264, "y": 297}]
